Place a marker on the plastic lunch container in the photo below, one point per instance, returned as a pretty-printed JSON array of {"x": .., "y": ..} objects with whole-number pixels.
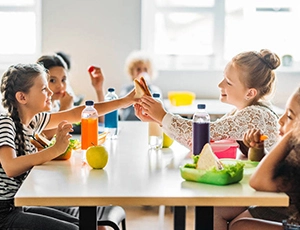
[
  {"x": 233, "y": 173},
  {"x": 225, "y": 148}
]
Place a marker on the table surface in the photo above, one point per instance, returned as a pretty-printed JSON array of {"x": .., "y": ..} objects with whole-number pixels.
[
  {"x": 133, "y": 176},
  {"x": 214, "y": 107}
]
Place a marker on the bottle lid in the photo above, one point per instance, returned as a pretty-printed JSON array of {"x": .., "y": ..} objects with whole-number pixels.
[
  {"x": 156, "y": 95},
  {"x": 89, "y": 102},
  {"x": 201, "y": 106},
  {"x": 111, "y": 90}
]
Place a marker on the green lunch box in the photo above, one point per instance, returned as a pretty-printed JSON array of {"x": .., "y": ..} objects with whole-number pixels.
[{"x": 231, "y": 173}]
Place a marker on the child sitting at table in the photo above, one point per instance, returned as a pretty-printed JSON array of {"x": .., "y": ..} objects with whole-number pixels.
[
  {"x": 248, "y": 78},
  {"x": 279, "y": 171},
  {"x": 138, "y": 64},
  {"x": 26, "y": 95},
  {"x": 58, "y": 82}
]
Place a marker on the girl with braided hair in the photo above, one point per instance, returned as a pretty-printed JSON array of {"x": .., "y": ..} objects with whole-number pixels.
[
  {"x": 248, "y": 79},
  {"x": 25, "y": 95}
]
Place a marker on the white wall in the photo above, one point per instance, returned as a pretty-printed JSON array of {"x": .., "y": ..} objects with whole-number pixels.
[
  {"x": 99, "y": 32},
  {"x": 103, "y": 33}
]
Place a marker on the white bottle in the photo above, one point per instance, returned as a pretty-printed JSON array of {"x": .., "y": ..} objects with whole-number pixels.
[
  {"x": 155, "y": 133},
  {"x": 111, "y": 119}
]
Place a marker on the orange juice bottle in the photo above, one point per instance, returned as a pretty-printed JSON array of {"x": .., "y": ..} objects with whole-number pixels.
[{"x": 89, "y": 125}]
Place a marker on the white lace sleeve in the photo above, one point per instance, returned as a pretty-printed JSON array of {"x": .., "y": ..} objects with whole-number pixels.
[
  {"x": 178, "y": 128},
  {"x": 230, "y": 126}
]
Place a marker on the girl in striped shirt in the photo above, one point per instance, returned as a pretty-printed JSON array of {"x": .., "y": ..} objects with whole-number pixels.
[{"x": 25, "y": 95}]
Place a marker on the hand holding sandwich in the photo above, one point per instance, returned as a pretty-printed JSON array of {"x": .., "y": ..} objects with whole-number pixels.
[
  {"x": 147, "y": 109},
  {"x": 62, "y": 137},
  {"x": 61, "y": 144}
]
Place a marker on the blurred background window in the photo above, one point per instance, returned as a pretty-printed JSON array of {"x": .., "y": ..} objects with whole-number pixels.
[
  {"x": 20, "y": 25},
  {"x": 193, "y": 34}
]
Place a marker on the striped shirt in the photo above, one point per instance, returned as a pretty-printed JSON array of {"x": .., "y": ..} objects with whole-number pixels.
[{"x": 9, "y": 186}]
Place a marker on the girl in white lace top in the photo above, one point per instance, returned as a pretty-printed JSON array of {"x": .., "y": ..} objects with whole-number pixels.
[{"x": 248, "y": 78}]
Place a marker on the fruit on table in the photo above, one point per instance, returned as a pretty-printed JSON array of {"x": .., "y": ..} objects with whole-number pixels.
[
  {"x": 65, "y": 156},
  {"x": 74, "y": 145},
  {"x": 167, "y": 141},
  {"x": 97, "y": 156}
]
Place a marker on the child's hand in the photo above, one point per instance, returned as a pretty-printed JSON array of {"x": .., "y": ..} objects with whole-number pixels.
[
  {"x": 62, "y": 137},
  {"x": 66, "y": 101},
  {"x": 97, "y": 77},
  {"x": 129, "y": 99},
  {"x": 252, "y": 139},
  {"x": 152, "y": 108},
  {"x": 139, "y": 112}
]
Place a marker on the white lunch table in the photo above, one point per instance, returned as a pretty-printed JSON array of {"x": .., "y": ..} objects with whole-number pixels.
[{"x": 135, "y": 176}]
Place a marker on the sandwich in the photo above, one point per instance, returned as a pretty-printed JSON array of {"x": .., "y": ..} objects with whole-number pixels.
[
  {"x": 141, "y": 88},
  {"x": 207, "y": 168},
  {"x": 41, "y": 142},
  {"x": 208, "y": 160}
]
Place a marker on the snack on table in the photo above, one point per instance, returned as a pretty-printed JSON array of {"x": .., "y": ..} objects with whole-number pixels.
[
  {"x": 207, "y": 168},
  {"x": 41, "y": 142},
  {"x": 207, "y": 159}
]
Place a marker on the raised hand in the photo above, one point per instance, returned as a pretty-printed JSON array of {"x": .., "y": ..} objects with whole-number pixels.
[{"x": 97, "y": 77}]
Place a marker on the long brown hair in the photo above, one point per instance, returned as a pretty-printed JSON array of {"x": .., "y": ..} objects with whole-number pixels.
[{"x": 18, "y": 78}]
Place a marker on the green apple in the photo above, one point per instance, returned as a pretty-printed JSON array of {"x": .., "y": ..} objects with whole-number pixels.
[
  {"x": 97, "y": 156},
  {"x": 167, "y": 141}
]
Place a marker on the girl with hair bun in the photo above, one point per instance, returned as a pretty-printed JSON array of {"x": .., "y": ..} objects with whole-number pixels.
[{"x": 248, "y": 79}]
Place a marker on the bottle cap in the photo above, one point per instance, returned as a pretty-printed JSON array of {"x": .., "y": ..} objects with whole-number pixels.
[
  {"x": 89, "y": 102},
  {"x": 156, "y": 95},
  {"x": 201, "y": 106},
  {"x": 111, "y": 90}
]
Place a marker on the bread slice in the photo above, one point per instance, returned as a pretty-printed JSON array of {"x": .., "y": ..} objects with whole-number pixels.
[
  {"x": 141, "y": 88},
  {"x": 207, "y": 159},
  {"x": 145, "y": 86},
  {"x": 39, "y": 141}
]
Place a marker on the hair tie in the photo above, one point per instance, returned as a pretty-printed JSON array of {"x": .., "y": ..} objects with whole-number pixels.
[{"x": 264, "y": 61}]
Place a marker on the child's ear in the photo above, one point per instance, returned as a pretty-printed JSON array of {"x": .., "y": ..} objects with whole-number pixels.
[
  {"x": 251, "y": 93},
  {"x": 21, "y": 98}
]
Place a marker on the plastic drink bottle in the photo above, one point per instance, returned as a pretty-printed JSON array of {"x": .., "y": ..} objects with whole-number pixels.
[
  {"x": 89, "y": 125},
  {"x": 111, "y": 119},
  {"x": 201, "y": 134},
  {"x": 155, "y": 133}
]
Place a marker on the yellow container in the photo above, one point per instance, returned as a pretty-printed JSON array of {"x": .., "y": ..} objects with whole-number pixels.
[{"x": 178, "y": 98}]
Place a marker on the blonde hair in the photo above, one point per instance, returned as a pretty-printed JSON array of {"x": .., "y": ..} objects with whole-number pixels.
[
  {"x": 139, "y": 57},
  {"x": 258, "y": 70}
]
